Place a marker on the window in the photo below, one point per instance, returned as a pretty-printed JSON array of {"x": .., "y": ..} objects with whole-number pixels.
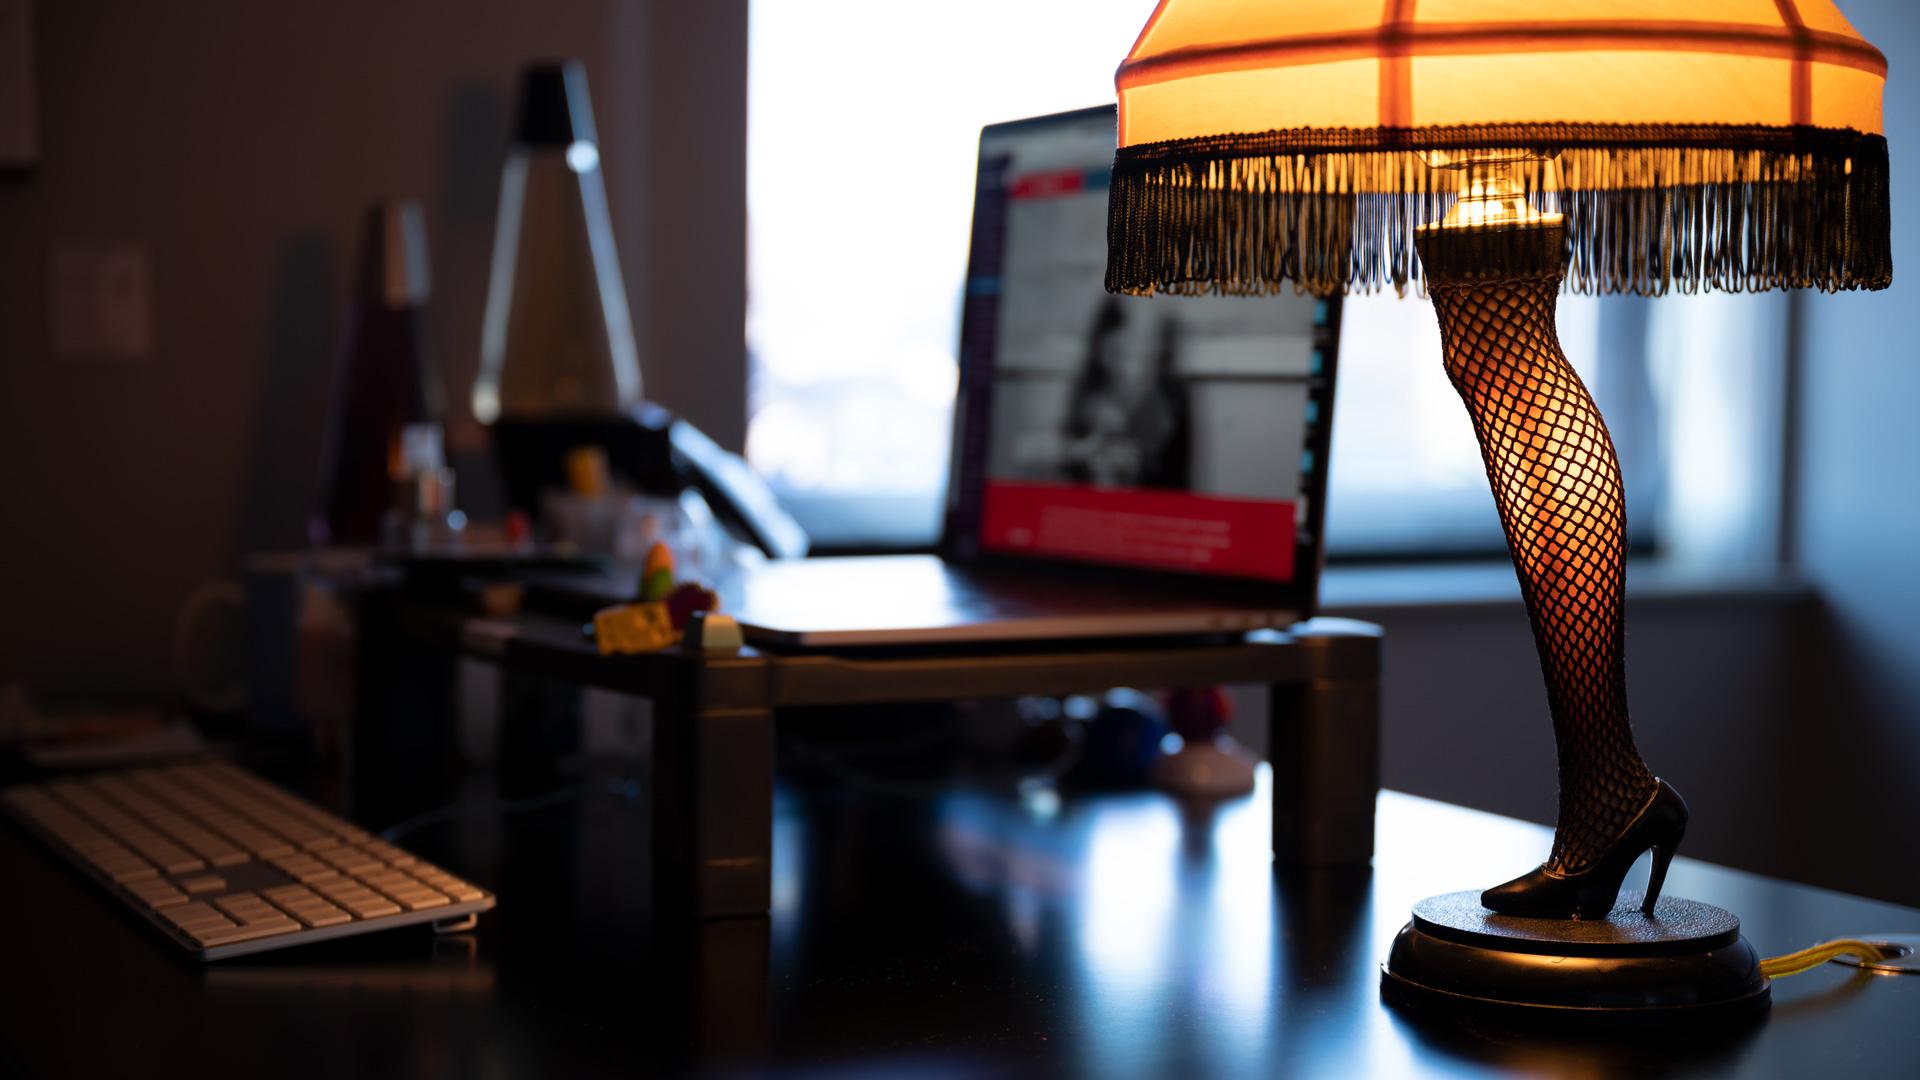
[
  {"x": 1407, "y": 477},
  {"x": 862, "y": 125},
  {"x": 863, "y": 122}
]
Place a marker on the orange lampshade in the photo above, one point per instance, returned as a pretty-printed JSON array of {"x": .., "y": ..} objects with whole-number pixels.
[{"x": 1733, "y": 144}]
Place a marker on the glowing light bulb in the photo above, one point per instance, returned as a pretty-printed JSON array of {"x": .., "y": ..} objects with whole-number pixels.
[{"x": 1490, "y": 191}]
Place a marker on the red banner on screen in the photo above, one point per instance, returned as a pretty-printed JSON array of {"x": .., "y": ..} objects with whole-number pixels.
[
  {"x": 1043, "y": 185},
  {"x": 1168, "y": 530}
]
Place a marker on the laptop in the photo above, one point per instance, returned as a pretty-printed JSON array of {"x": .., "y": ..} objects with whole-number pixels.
[{"x": 1122, "y": 466}]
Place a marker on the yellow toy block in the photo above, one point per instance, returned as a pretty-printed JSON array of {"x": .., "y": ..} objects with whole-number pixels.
[{"x": 634, "y": 628}]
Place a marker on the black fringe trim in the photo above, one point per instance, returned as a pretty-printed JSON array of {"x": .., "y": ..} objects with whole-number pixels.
[{"x": 1648, "y": 209}]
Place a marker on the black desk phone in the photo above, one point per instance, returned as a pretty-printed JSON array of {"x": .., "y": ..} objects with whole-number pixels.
[{"x": 657, "y": 453}]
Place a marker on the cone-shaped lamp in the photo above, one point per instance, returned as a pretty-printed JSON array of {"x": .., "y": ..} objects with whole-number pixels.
[{"x": 556, "y": 340}]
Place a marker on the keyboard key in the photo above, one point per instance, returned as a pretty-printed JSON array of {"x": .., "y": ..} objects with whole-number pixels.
[
  {"x": 260, "y": 843},
  {"x": 320, "y": 915},
  {"x": 303, "y": 867},
  {"x": 348, "y": 898},
  {"x": 384, "y": 876},
  {"x": 348, "y": 860},
  {"x": 204, "y": 883},
  {"x": 383, "y": 849},
  {"x": 123, "y": 866},
  {"x": 195, "y": 915},
  {"x": 461, "y": 892},
  {"x": 227, "y": 935},
  {"x": 156, "y": 893},
  {"x": 371, "y": 908},
  {"x": 246, "y": 907},
  {"x": 420, "y": 899},
  {"x": 301, "y": 903},
  {"x": 255, "y": 918},
  {"x": 363, "y": 902}
]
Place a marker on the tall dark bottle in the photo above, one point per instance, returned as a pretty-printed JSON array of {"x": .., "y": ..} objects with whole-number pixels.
[{"x": 386, "y": 380}]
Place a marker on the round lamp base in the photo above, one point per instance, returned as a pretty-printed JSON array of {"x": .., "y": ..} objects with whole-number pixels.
[{"x": 1684, "y": 964}]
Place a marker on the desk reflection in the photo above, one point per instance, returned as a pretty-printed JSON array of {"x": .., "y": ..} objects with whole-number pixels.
[
  {"x": 1115, "y": 935},
  {"x": 1159, "y": 931}
]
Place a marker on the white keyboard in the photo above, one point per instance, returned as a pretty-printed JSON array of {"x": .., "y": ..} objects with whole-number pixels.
[{"x": 228, "y": 864}]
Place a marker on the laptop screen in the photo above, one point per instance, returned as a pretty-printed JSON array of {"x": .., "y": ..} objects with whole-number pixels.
[{"x": 1172, "y": 433}]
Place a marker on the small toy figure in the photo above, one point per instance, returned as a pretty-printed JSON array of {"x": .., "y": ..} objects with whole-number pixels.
[
  {"x": 1210, "y": 764},
  {"x": 656, "y": 574},
  {"x": 659, "y": 617},
  {"x": 634, "y": 628}
]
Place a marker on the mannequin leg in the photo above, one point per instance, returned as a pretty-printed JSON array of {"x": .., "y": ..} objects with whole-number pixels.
[{"x": 1557, "y": 485}]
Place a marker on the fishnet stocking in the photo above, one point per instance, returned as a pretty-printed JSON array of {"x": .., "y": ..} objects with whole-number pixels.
[{"x": 1557, "y": 484}]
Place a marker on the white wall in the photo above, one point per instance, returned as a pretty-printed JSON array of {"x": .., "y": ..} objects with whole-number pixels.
[
  {"x": 237, "y": 142},
  {"x": 1711, "y": 678},
  {"x": 1856, "y": 530}
]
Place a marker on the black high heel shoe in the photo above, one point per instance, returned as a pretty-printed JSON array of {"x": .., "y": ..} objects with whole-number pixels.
[{"x": 1590, "y": 894}]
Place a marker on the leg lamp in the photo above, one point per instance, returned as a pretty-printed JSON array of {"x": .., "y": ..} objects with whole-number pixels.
[{"x": 1334, "y": 145}]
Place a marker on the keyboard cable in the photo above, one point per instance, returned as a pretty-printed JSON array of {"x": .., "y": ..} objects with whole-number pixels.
[{"x": 627, "y": 788}]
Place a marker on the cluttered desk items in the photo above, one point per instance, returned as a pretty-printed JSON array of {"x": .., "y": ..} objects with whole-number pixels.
[{"x": 1122, "y": 468}]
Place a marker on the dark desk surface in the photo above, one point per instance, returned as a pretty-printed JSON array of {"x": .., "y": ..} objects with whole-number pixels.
[{"x": 969, "y": 933}]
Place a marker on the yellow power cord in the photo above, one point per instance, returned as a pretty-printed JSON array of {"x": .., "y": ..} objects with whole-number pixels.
[{"x": 1794, "y": 963}]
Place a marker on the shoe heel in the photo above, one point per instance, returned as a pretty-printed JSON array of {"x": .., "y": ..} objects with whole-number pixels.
[{"x": 1657, "y": 877}]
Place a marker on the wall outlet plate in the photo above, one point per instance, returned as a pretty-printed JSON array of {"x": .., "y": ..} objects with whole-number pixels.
[{"x": 101, "y": 303}]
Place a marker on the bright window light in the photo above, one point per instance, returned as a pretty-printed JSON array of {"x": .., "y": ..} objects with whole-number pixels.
[
  {"x": 863, "y": 124},
  {"x": 863, "y": 121}
]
